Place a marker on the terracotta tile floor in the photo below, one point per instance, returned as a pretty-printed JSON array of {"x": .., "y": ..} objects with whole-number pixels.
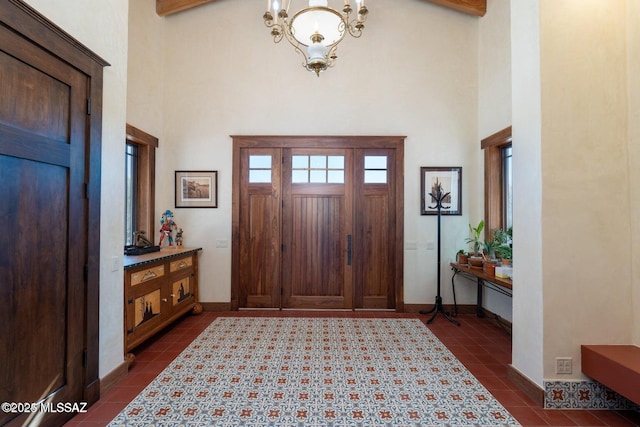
[{"x": 483, "y": 347}]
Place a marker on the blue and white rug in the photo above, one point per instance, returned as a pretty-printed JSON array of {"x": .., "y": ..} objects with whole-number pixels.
[{"x": 302, "y": 371}]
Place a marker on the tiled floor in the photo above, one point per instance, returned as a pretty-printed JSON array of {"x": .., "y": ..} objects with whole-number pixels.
[{"x": 483, "y": 347}]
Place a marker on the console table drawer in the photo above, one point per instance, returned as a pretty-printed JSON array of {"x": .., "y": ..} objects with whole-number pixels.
[
  {"x": 181, "y": 264},
  {"x": 150, "y": 273}
]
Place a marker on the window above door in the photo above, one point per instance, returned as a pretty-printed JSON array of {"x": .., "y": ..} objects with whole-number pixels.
[{"x": 317, "y": 169}]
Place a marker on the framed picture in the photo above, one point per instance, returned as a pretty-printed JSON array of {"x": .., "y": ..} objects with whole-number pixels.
[
  {"x": 196, "y": 189},
  {"x": 450, "y": 180}
]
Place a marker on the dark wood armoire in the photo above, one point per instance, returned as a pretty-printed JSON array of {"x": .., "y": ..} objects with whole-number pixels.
[{"x": 50, "y": 149}]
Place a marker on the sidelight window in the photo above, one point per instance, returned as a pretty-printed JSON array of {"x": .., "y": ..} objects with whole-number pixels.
[
  {"x": 259, "y": 169},
  {"x": 375, "y": 169}
]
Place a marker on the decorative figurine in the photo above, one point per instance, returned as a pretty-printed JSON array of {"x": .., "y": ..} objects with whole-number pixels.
[
  {"x": 179, "y": 237},
  {"x": 167, "y": 225}
]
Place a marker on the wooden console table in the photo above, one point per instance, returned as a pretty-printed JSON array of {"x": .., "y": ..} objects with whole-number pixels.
[
  {"x": 483, "y": 280},
  {"x": 159, "y": 287}
]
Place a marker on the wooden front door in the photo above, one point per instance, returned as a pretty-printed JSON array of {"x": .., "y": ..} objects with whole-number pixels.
[
  {"x": 319, "y": 223},
  {"x": 44, "y": 261},
  {"x": 317, "y": 228}
]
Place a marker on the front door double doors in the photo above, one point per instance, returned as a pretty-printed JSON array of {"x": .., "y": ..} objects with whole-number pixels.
[{"x": 316, "y": 225}]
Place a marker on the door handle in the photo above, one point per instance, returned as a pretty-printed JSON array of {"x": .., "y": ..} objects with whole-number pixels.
[{"x": 349, "y": 249}]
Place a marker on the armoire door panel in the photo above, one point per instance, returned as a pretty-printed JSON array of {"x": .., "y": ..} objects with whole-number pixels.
[
  {"x": 43, "y": 158},
  {"x": 26, "y": 86},
  {"x": 33, "y": 282}
]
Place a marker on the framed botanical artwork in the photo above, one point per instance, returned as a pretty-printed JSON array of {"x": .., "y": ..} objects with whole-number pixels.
[
  {"x": 196, "y": 189},
  {"x": 450, "y": 181}
]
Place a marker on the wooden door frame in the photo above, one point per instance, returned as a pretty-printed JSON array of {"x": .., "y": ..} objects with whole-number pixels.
[
  {"x": 307, "y": 141},
  {"x": 33, "y": 26}
]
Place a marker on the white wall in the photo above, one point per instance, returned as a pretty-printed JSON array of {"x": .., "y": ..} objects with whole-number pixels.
[
  {"x": 528, "y": 317},
  {"x": 571, "y": 107},
  {"x": 494, "y": 70},
  {"x": 585, "y": 180},
  {"x": 145, "y": 74},
  {"x": 102, "y": 27},
  {"x": 494, "y": 101},
  {"x": 413, "y": 72},
  {"x": 633, "y": 51}
]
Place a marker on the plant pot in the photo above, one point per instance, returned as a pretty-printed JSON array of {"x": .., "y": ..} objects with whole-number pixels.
[
  {"x": 476, "y": 261},
  {"x": 489, "y": 268},
  {"x": 463, "y": 259},
  {"x": 506, "y": 261}
]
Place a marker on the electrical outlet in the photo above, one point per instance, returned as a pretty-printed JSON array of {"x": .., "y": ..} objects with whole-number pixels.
[
  {"x": 115, "y": 263},
  {"x": 564, "y": 365},
  {"x": 222, "y": 243}
]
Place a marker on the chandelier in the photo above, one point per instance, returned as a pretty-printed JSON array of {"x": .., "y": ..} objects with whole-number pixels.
[{"x": 316, "y": 30}]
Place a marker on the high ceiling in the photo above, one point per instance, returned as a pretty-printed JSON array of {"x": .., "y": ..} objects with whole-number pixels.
[{"x": 471, "y": 7}]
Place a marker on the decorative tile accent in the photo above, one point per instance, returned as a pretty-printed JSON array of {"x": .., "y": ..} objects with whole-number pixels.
[
  {"x": 583, "y": 395},
  {"x": 244, "y": 371}
]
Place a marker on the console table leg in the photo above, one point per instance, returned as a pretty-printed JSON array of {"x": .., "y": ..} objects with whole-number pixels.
[
  {"x": 129, "y": 358},
  {"x": 479, "y": 311},
  {"x": 197, "y": 308},
  {"x": 454, "y": 313}
]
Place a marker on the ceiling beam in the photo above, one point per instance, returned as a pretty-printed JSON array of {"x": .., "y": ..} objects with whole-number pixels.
[
  {"x": 168, "y": 7},
  {"x": 471, "y": 7}
]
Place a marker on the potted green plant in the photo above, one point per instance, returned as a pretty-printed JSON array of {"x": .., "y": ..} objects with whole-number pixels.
[
  {"x": 474, "y": 237},
  {"x": 489, "y": 267},
  {"x": 504, "y": 252},
  {"x": 504, "y": 240},
  {"x": 489, "y": 255},
  {"x": 503, "y": 237},
  {"x": 489, "y": 249},
  {"x": 475, "y": 241},
  {"x": 462, "y": 257}
]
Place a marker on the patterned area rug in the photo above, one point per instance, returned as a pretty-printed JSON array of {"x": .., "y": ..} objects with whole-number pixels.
[{"x": 258, "y": 371}]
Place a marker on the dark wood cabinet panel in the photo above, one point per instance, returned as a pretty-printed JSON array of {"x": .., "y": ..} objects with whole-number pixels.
[{"x": 49, "y": 163}]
